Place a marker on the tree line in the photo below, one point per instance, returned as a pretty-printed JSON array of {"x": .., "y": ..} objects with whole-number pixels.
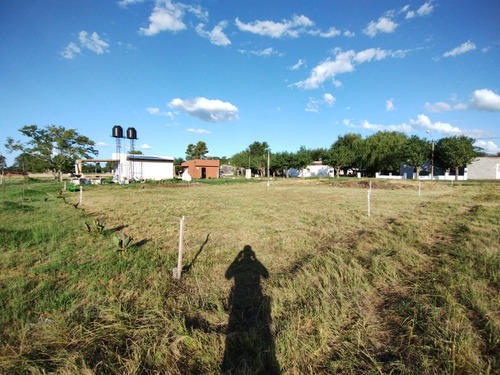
[{"x": 55, "y": 148}]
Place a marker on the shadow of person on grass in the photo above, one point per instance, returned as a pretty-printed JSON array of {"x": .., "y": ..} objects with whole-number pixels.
[{"x": 249, "y": 341}]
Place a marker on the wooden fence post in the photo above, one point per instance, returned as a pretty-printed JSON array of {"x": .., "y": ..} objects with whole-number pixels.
[
  {"x": 369, "y": 195},
  {"x": 178, "y": 272}
]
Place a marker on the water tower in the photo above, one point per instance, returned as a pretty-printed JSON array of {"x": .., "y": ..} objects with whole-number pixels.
[
  {"x": 118, "y": 134},
  {"x": 132, "y": 136}
]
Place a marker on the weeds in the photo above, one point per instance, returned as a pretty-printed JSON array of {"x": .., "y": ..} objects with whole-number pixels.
[{"x": 412, "y": 290}]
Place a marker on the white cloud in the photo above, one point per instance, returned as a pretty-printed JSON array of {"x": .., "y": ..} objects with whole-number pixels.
[
  {"x": 344, "y": 63},
  {"x": 424, "y": 122},
  {"x": 157, "y": 112},
  {"x": 71, "y": 51},
  {"x": 482, "y": 100},
  {"x": 145, "y": 146},
  {"x": 206, "y": 109},
  {"x": 383, "y": 25},
  {"x": 329, "y": 99},
  {"x": 463, "y": 48},
  {"x": 404, "y": 128},
  {"x": 328, "y": 69},
  {"x": 370, "y": 54},
  {"x": 437, "y": 107},
  {"x": 125, "y": 3},
  {"x": 349, "y": 34},
  {"x": 332, "y": 32},
  {"x": 216, "y": 36},
  {"x": 485, "y": 100},
  {"x": 444, "y": 107},
  {"x": 102, "y": 144},
  {"x": 264, "y": 52},
  {"x": 389, "y": 105},
  {"x": 488, "y": 147},
  {"x": 314, "y": 104},
  {"x": 424, "y": 10},
  {"x": 198, "y": 131},
  {"x": 166, "y": 16},
  {"x": 291, "y": 28},
  {"x": 297, "y": 65},
  {"x": 94, "y": 43}
]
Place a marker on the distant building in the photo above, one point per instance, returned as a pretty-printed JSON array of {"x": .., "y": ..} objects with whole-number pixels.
[
  {"x": 200, "y": 168},
  {"x": 484, "y": 168},
  {"x": 143, "y": 167},
  {"x": 317, "y": 169}
]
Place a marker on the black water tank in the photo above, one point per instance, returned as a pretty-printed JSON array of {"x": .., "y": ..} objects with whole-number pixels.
[
  {"x": 117, "y": 131},
  {"x": 131, "y": 133}
]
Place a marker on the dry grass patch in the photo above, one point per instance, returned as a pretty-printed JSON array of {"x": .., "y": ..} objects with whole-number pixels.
[{"x": 293, "y": 279}]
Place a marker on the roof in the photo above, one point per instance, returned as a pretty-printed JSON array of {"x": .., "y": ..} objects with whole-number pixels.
[
  {"x": 150, "y": 158},
  {"x": 201, "y": 163}
]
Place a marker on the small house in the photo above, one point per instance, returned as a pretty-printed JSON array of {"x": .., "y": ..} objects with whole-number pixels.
[
  {"x": 143, "y": 167},
  {"x": 317, "y": 169},
  {"x": 201, "y": 168}
]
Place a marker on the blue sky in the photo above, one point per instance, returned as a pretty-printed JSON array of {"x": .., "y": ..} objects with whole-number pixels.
[{"x": 231, "y": 72}]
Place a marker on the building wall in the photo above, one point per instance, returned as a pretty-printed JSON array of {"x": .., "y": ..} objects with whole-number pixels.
[
  {"x": 198, "y": 166},
  {"x": 312, "y": 171},
  {"x": 147, "y": 170},
  {"x": 484, "y": 168},
  {"x": 144, "y": 168}
]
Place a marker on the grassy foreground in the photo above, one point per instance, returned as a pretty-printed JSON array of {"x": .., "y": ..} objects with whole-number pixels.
[{"x": 293, "y": 279}]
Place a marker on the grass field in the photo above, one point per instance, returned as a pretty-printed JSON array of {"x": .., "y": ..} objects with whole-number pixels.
[{"x": 293, "y": 278}]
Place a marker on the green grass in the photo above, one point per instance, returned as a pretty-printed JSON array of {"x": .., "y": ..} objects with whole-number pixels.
[{"x": 294, "y": 278}]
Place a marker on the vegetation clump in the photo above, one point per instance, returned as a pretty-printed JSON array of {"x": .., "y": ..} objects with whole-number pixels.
[{"x": 294, "y": 278}]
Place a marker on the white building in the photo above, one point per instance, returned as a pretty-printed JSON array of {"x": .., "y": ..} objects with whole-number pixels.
[
  {"x": 317, "y": 169},
  {"x": 143, "y": 167},
  {"x": 484, "y": 168}
]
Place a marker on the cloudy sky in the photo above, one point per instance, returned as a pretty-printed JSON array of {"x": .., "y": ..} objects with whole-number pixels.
[{"x": 231, "y": 72}]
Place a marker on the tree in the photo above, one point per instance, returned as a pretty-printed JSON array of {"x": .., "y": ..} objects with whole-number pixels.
[
  {"x": 136, "y": 152},
  {"x": 258, "y": 156},
  {"x": 3, "y": 164},
  {"x": 344, "y": 152},
  {"x": 319, "y": 154},
  {"x": 56, "y": 147},
  {"x": 417, "y": 152},
  {"x": 197, "y": 151},
  {"x": 383, "y": 151},
  {"x": 301, "y": 158},
  {"x": 240, "y": 160},
  {"x": 28, "y": 163},
  {"x": 455, "y": 152},
  {"x": 281, "y": 162}
]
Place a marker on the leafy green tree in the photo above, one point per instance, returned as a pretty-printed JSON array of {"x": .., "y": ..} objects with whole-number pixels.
[
  {"x": 240, "y": 160},
  {"x": 383, "y": 151},
  {"x": 29, "y": 163},
  {"x": 55, "y": 146},
  {"x": 197, "y": 151},
  {"x": 417, "y": 152},
  {"x": 3, "y": 163},
  {"x": 258, "y": 156},
  {"x": 281, "y": 161},
  {"x": 136, "y": 152},
  {"x": 455, "y": 152},
  {"x": 301, "y": 158},
  {"x": 344, "y": 153},
  {"x": 109, "y": 167},
  {"x": 319, "y": 154}
]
